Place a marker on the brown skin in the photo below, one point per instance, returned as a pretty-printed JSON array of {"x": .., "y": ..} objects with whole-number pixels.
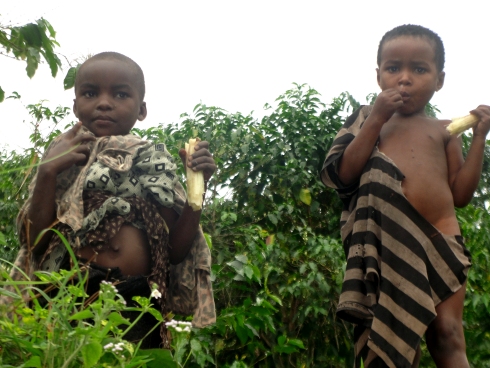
[
  {"x": 437, "y": 177},
  {"x": 107, "y": 102}
]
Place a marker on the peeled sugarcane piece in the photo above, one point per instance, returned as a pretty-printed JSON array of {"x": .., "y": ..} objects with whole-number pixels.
[
  {"x": 195, "y": 180},
  {"x": 459, "y": 125}
]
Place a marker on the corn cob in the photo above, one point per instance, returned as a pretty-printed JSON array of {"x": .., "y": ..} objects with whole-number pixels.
[
  {"x": 195, "y": 180},
  {"x": 459, "y": 125}
]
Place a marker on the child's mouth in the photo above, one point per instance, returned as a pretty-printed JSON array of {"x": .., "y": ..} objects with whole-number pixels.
[
  {"x": 405, "y": 96},
  {"x": 103, "y": 120}
]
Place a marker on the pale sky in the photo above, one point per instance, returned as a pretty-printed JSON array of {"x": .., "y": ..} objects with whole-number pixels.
[{"x": 238, "y": 55}]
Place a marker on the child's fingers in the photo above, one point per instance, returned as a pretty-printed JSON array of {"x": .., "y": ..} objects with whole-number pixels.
[
  {"x": 483, "y": 126},
  {"x": 78, "y": 138},
  {"x": 81, "y": 155},
  {"x": 75, "y": 128},
  {"x": 183, "y": 156},
  {"x": 82, "y": 138},
  {"x": 482, "y": 111},
  {"x": 201, "y": 145},
  {"x": 198, "y": 162},
  {"x": 201, "y": 150},
  {"x": 205, "y": 164}
]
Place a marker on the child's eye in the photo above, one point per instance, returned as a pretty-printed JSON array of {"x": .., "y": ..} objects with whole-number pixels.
[
  {"x": 122, "y": 95},
  {"x": 392, "y": 69},
  {"x": 420, "y": 70},
  {"x": 89, "y": 94}
]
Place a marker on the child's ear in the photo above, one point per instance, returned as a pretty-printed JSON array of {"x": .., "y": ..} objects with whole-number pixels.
[
  {"x": 440, "y": 81},
  {"x": 143, "y": 112},
  {"x": 75, "y": 107},
  {"x": 377, "y": 75}
]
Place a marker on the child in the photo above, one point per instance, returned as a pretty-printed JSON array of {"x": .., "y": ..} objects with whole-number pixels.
[
  {"x": 117, "y": 199},
  {"x": 400, "y": 174}
]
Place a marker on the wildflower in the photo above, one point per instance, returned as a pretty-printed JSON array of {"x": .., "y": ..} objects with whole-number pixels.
[
  {"x": 156, "y": 294},
  {"x": 115, "y": 348}
]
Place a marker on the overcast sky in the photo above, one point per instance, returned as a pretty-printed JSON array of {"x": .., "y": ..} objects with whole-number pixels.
[{"x": 238, "y": 55}]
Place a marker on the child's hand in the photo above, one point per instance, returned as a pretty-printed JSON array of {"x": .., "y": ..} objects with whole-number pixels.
[
  {"x": 70, "y": 150},
  {"x": 483, "y": 126},
  {"x": 386, "y": 104},
  {"x": 201, "y": 160}
]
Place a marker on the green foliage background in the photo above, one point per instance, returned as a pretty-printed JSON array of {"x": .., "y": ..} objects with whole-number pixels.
[
  {"x": 271, "y": 224},
  {"x": 273, "y": 228}
]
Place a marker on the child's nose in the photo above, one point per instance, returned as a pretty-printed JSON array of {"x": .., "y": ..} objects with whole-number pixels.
[
  {"x": 405, "y": 78},
  {"x": 105, "y": 103}
]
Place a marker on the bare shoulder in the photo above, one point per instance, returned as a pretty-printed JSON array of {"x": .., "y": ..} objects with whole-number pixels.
[{"x": 442, "y": 126}]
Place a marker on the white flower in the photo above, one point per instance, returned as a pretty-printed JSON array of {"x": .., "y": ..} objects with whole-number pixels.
[
  {"x": 156, "y": 294},
  {"x": 108, "y": 346},
  {"x": 178, "y": 329},
  {"x": 187, "y": 329}
]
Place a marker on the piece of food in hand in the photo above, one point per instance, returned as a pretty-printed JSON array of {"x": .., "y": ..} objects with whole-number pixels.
[
  {"x": 459, "y": 125},
  {"x": 195, "y": 179}
]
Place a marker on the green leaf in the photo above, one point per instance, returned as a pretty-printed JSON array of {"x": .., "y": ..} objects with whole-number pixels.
[
  {"x": 33, "y": 362},
  {"x": 160, "y": 358},
  {"x": 2, "y": 94},
  {"x": 209, "y": 240},
  {"x": 14, "y": 95},
  {"x": 281, "y": 340},
  {"x": 276, "y": 299},
  {"x": 53, "y": 62},
  {"x": 69, "y": 81},
  {"x": 242, "y": 258},
  {"x": 158, "y": 316},
  {"x": 118, "y": 319},
  {"x": 248, "y": 271},
  {"x": 305, "y": 196},
  {"x": 296, "y": 342},
  {"x": 32, "y": 61},
  {"x": 196, "y": 345},
  {"x": 142, "y": 301},
  {"x": 242, "y": 333},
  {"x": 257, "y": 272},
  {"x": 237, "y": 265},
  {"x": 82, "y": 315},
  {"x": 254, "y": 331},
  {"x": 272, "y": 218},
  {"x": 91, "y": 353},
  {"x": 32, "y": 35},
  {"x": 76, "y": 291}
]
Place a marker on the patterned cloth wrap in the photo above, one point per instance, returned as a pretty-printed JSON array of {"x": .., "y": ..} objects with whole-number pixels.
[
  {"x": 125, "y": 167},
  {"x": 399, "y": 266}
]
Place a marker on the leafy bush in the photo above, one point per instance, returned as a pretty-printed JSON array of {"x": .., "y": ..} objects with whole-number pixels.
[{"x": 273, "y": 228}]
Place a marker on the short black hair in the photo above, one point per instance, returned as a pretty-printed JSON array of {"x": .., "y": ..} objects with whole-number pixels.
[
  {"x": 416, "y": 31},
  {"x": 117, "y": 56}
]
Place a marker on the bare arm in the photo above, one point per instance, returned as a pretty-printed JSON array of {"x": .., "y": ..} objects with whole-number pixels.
[
  {"x": 464, "y": 175},
  {"x": 42, "y": 210},
  {"x": 183, "y": 228},
  {"x": 359, "y": 150}
]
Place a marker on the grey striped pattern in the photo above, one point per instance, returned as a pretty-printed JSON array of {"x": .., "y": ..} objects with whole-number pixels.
[{"x": 399, "y": 267}]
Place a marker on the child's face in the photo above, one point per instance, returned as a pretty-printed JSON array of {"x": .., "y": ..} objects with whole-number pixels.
[
  {"x": 408, "y": 65},
  {"x": 107, "y": 99}
]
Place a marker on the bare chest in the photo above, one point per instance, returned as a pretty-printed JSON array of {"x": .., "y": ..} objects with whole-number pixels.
[{"x": 415, "y": 147}]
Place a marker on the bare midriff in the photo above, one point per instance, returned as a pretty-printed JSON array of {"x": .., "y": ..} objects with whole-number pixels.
[
  {"x": 418, "y": 148},
  {"x": 128, "y": 249}
]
